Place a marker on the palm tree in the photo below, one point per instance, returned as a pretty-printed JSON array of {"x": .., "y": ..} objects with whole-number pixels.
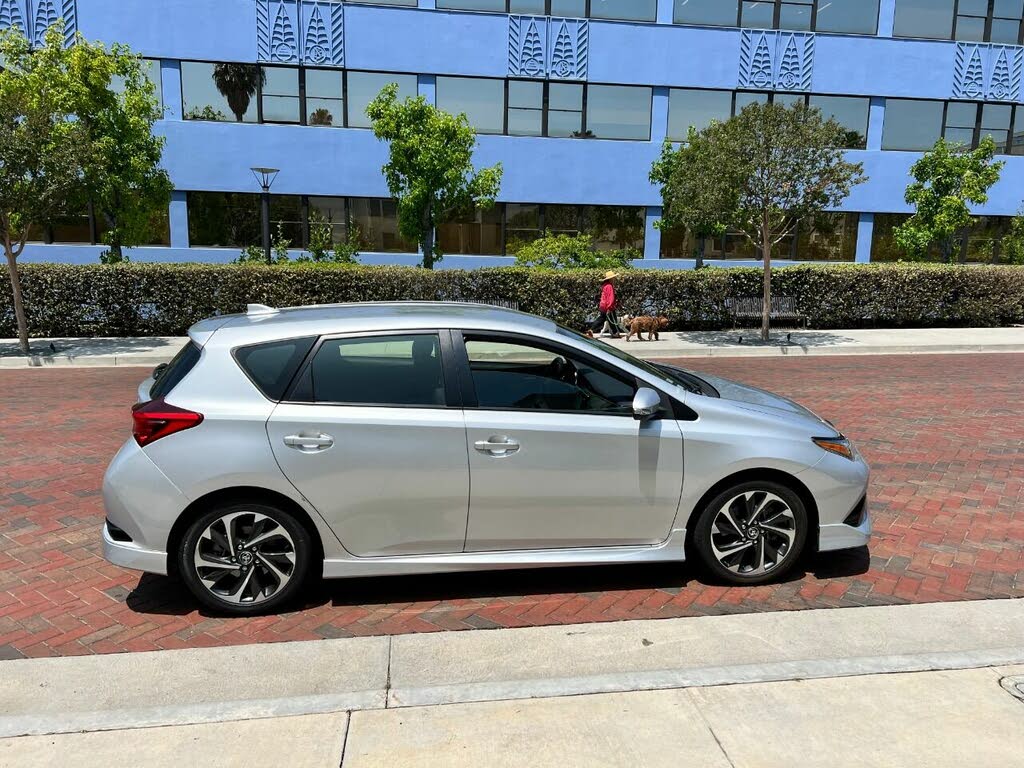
[{"x": 238, "y": 83}]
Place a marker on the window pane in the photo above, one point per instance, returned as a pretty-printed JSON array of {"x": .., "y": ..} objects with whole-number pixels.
[
  {"x": 616, "y": 227},
  {"x": 789, "y": 99},
  {"x": 973, "y": 7},
  {"x": 524, "y": 377},
  {"x": 630, "y": 10},
  {"x": 911, "y": 125},
  {"x": 477, "y": 234},
  {"x": 410, "y": 3},
  {"x": 525, "y": 122},
  {"x": 522, "y": 225},
  {"x": 687, "y": 107},
  {"x": 228, "y": 219},
  {"x": 830, "y": 237},
  {"x": 970, "y": 28},
  {"x": 795, "y": 16},
  {"x": 286, "y": 219},
  {"x": 377, "y": 221},
  {"x": 330, "y": 212},
  {"x": 995, "y": 122},
  {"x": 850, "y": 112},
  {"x": 473, "y": 5},
  {"x": 758, "y": 14},
  {"x": 280, "y": 95},
  {"x": 883, "y": 241},
  {"x": 325, "y": 104},
  {"x": 482, "y": 101},
  {"x": 525, "y": 101},
  {"x": 71, "y": 227},
  {"x": 576, "y": 9},
  {"x": 719, "y": 13},
  {"x": 859, "y": 17},
  {"x": 567, "y": 96},
  {"x": 619, "y": 112},
  {"x": 272, "y": 365},
  {"x": 1005, "y": 31},
  {"x": 382, "y": 370},
  {"x": 562, "y": 219},
  {"x": 744, "y": 99},
  {"x": 565, "y": 109},
  {"x": 1009, "y": 9},
  {"x": 535, "y": 7},
  {"x": 924, "y": 18},
  {"x": 363, "y": 87},
  {"x": 219, "y": 91}
]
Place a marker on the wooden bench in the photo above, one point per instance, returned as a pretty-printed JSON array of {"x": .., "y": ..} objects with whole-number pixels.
[{"x": 752, "y": 308}]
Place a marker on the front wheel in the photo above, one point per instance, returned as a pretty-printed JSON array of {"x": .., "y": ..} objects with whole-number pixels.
[
  {"x": 751, "y": 533},
  {"x": 244, "y": 558}
]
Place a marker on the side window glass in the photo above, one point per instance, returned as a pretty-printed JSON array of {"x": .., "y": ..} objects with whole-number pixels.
[
  {"x": 380, "y": 370},
  {"x": 520, "y": 376}
]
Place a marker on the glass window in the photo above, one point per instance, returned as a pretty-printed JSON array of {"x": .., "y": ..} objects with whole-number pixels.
[
  {"x": 325, "y": 97},
  {"x": 565, "y": 110},
  {"x": 924, "y": 18},
  {"x": 883, "y": 240},
  {"x": 857, "y": 17},
  {"x": 795, "y": 14},
  {"x": 718, "y": 13},
  {"x": 911, "y": 124},
  {"x": 522, "y": 225},
  {"x": 473, "y": 5},
  {"x": 628, "y": 10},
  {"x": 478, "y": 233},
  {"x": 757, "y": 14},
  {"x": 219, "y": 91},
  {"x": 482, "y": 101},
  {"x": 788, "y": 99},
  {"x": 678, "y": 244},
  {"x": 280, "y": 95},
  {"x": 995, "y": 122},
  {"x": 615, "y": 227},
  {"x": 330, "y": 212},
  {"x": 851, "y": 112},
  {"x": 525, "y": 108},
  {"x": 746, "y": 98},
  {"x": 619, "y": 112},
  {"x": 520, "y": 376},
  {"x": 960, "y": 120},
  {"x": 533, "y": 7},
  {"x": 224, "y": 219},
  {"x": 377, "y": 221},
  {"x": 271, "y": 366},
  {"x": 151, "y": 71},
  {"x": 409, "y": 3},
  {"x": 563, "y": 219},
  {"x": 572, "y": 8},
  {"x": 179, "y": 367},
  {"x": 286, "y": 219},
  {"x": 830, "y": 237},
  {"x": 72, "y": 226},
  {"x": 363, "y": 87},
  {"x": 380, "y": 370},
  {"x": 690, "y": 107}
]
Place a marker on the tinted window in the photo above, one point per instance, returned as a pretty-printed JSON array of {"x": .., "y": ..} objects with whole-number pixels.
[
  {"x": 520, "y": 376},
  {"x": 924, "y": 18},
  {"x": 377, "y": 221},
  {"x": 474, "y": 5},
  {"x": 230, "y": 219},
  {"x": 911, "y": 125},
  {"x": 482, "y": 101},
  {"x": 219, "y": 91},
  {"x": 176, "y": 370},
  {"x": 363, "y": 88},
  {"x": 380, "y": 370},
  {"x": 477, "y": 233},
  {"x": 281, "y": 95},
  {"x": 565, "y": 109},
  {"x": 721, "y": 13},
  {"x": 630, "y": 10},
  {"x": 619, "y": 112},
  {"x": 851, "y": 112},
  {"x": 325, "y": 103},
  {"x": 849, "y": 16},
  {"x": 525, "y": 108},
  {"x": 689, "y": 107},
  {"x": 271, "y": 366}
]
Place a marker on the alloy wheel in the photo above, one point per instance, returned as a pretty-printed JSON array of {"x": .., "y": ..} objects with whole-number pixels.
[
  {"x": 244, "y": 558},
  {"x": 753, "y": 533}
]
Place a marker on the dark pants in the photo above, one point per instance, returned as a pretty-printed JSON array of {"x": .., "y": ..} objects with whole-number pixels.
[{"x": 611, "y": 318}]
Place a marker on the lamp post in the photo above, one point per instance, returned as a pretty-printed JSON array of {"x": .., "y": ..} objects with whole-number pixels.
[{"x": 265, "y": 178}]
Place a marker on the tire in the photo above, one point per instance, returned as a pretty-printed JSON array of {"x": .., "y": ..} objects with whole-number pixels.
[
  {"x": 260, "y": 577},
  {"x": 747, "y": 553}
]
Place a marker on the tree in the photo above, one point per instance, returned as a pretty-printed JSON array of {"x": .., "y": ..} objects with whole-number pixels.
[
  {"x": 321, "y": 116},
  {"x": 1012, "y": 245},
  {"x": 561, "y": 252},
  {"x": 430, "y": 168},
  {"x": 946, "y": 180},
  {"x": 759, "y": 174},
  {"x": 238, "y": 83}
]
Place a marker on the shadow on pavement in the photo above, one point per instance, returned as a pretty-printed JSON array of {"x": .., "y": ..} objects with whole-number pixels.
[
  {"x": 82, "y": 347},
  {"x": 752, "y": 337}
]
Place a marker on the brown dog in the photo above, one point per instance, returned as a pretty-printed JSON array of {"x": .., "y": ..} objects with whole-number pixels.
[{"x": 650, "y": 325}]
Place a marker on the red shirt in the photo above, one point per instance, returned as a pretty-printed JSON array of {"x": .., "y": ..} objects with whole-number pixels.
[{"x": 607, "y": 298}]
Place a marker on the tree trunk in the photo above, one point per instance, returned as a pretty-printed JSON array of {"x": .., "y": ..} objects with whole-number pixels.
[
  {"x": 427, "y": 244},
  {"x": 19, "y": 304},
  {"x": 699, "y": 264},
  {"x": 766, "y": 252}
]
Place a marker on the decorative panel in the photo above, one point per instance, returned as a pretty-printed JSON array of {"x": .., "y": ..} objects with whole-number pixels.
[
  {"x": 301, "y": 31},
  {"x": 277, "y": 38},
  {"x": 527, "y": 46},
  {"x": 34, "y": 17},
  {"x": 773, "y": 60},
  {"x": 543, "y": 47},
  {"x": 570, "y": 44},
  {"x": 323, "y": 33},
  {"x": 987, "y": 72}
]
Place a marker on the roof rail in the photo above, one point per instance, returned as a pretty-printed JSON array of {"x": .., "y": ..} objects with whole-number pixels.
[{"x": 259, "y": 309}]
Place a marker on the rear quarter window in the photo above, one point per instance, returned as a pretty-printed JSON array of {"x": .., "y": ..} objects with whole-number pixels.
[
  {"x": 176, "y": 370},
  {"x": 271, "y": 366}
]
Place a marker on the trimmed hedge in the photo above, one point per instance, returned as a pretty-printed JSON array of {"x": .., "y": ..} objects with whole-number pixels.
[{"x": 164, "y": 299}]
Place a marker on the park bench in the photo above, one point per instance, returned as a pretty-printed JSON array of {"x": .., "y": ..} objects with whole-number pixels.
[{"x": 783, "y": 308}]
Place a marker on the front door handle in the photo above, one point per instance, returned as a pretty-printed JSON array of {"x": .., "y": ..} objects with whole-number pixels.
[
  {"x": 497, "y": 446},
  {"x": 309, "y": 443}
]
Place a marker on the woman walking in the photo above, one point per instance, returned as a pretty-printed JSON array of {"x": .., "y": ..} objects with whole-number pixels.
[{"x": 606, "y": 307}]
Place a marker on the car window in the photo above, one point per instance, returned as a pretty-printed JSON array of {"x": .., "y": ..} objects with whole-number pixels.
[
  {"x": 522, "y": 376},
  {"x": 271, "y": 366},
  {"x": 176, "y": 370},
  {"x": 380, "y": 370}
]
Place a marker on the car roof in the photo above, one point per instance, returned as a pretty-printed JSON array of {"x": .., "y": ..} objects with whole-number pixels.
[{"x": 267, "y": 324}]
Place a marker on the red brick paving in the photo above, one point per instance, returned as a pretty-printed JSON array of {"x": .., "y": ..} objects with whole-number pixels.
[{"x": 944, "y": 435}]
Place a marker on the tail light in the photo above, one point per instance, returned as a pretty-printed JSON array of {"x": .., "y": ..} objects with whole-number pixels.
[{"x": 157, "y": 419}]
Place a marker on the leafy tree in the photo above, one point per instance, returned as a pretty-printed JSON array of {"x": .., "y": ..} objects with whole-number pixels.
[
  {"x": 321, "y": 116},
  {"x": 205, "y": 113},
  {"x": 760, "y": 173},
  {"x": 946, "y": 180},
  {"x": 1012, "y": 245},
  {"x": 430, "y": 169},
  {"x": 238, "y": 84},
  {"x": 571, "y": 252}
]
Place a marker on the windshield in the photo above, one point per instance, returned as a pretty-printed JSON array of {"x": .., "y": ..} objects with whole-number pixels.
[{"x": 623, "y": 356}]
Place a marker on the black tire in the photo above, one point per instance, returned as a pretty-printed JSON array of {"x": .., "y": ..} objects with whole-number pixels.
[
  {"x": 288, "y": 540},
  {"x": 702, "y": 536}
]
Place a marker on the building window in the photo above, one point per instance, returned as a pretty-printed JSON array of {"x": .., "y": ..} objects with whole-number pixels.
[
  {"x": 916, "y": 125},
  {"x": 697, "y": 108},
  {"x": 565, "y": 110},
  {"x": 363, "y": 87},
  {"x": 330, "y": 212},
  {"x": 151, "y": 70},
  {"x": 829, "y": 237},
  {"x": 996, "y": 21},
  {"x": 526, "y": 107},
  {"x": 220, "y": 91},
  {"x": 628, "y": 10},
  {"x": 610, "y": 227},
  {"x": 477, "y": 233},
  {"x": 482, "y": 100},
  {"x": 279, "y": 95},
  {"x": 856, "y": 17},
  {"x": 619, "y": 112},
  {"x": 224, "y": 219},
  {"x": 911, "y": 124},
  {"x": 625, "y": 10},
  {"x": 377, "y": 221},
  {"x": 981, "y": 243},
  {"x": 851, "y": 112},
  {"x": 538, "y": 108},
  {"x": 325, "y": 97},
  {"x": 407, "y": 3}
]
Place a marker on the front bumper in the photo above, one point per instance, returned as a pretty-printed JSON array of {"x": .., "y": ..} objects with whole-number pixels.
[
  {"x": 128, "y": 554},
  {"x": 854, "y": 531}
]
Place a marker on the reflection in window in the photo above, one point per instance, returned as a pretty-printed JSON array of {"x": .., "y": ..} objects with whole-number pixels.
[
  {"x": 619, "y": 112},
  {"x": 280, "y": 95},
  {"x": 220, "y": 91},
  {"x": 286, "y": 219},
  {"x": 481, "y": 99},
  {"x": 829, "y": 237},
  {"x": 477, "y": 233},
  {"x": 364, "y": 87},
  {"x": 858, "y": 17},
  {"x": 565, "y": 109},
  {"x": 377, "y": 220},
  {"x": 325, "y": 97},
  {"x": 924, "y": 18},
  {"x": 330, "y": 212},
  {"x": 981, "y": 243},
  {"x": 697, "y": 108},
  {"x": 911, "y": 124},
  {"x": 522, "y": 225},
  {"x": 224, "y": 219},
  {"x": 525, "y": 108},
  {"x": 151, "y": 70},
  {"x": 851, "y": 112}
]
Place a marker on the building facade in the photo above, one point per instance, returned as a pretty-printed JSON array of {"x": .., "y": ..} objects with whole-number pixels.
[{"x": 573, "y": 97}]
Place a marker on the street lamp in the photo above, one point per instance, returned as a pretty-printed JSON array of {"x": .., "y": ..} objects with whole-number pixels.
[{"x": 265, "y": 178}]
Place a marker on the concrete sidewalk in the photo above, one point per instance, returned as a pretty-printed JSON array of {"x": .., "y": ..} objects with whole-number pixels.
[
  {"x": 895, "y": 686},
  {"x": 150, "y": 351}
]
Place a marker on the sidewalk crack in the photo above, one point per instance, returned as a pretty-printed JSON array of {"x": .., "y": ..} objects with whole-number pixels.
[
  {"x": 711, "y": 730},
  {"x": 387, "y": 681}
]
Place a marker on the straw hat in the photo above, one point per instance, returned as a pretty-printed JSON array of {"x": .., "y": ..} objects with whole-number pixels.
[{"x": 610, "y": 275}]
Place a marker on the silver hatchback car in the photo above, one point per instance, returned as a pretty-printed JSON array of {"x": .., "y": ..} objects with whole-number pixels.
[{"x": 377, "y": 439}]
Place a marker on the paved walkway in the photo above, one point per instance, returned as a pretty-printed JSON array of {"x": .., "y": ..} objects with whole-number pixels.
[
  {"x": 854, "y": 687},
  {"x": 151, "y": 351},
  {"x": 943, "y": 433}
]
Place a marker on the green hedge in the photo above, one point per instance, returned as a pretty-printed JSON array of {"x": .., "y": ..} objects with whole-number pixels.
[{"x": 164, "y": 299}]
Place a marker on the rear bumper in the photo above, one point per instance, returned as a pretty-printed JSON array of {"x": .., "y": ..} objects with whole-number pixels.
[{"x": 131, "y": 555}]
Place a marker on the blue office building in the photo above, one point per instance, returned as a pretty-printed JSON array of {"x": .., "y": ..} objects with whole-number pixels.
[{"x": 573, "y": 97}]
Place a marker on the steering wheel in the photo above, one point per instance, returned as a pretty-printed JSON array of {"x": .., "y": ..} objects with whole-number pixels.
[{"x": 564, "y": 371}]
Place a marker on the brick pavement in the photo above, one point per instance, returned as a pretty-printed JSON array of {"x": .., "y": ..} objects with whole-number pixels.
[{"x": 944, "y": 435}]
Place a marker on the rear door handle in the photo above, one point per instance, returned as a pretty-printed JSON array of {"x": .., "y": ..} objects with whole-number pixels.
[
  {"x": 309, "y": 443},
  {"x": 497, "y": 446}
]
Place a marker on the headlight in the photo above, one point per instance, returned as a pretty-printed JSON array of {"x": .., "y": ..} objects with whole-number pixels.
[{"x": 837, "y": 445}]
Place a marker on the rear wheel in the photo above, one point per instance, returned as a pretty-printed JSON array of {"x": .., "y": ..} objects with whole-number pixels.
[
  {"x": 751, "y": 533},
  {"x": 244, "y": 559}
]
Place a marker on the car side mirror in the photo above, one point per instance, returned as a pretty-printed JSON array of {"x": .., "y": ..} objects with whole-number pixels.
[
  {"x": 159, "y": 371},
  {"x": 646, "y": 404}
]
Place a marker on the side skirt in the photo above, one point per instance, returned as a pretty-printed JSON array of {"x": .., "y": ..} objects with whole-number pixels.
[{"x": 670, "y": 550}]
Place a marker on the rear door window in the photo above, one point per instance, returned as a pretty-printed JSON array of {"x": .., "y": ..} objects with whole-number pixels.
[
  {"x": 272, "y": 365},
  {"x": 176, "y": 370}
]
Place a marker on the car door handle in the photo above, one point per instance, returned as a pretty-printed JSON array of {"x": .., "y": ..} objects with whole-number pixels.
[
  {"x": 309, "y": 443},
  {"x": 497, "y": 446}
]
